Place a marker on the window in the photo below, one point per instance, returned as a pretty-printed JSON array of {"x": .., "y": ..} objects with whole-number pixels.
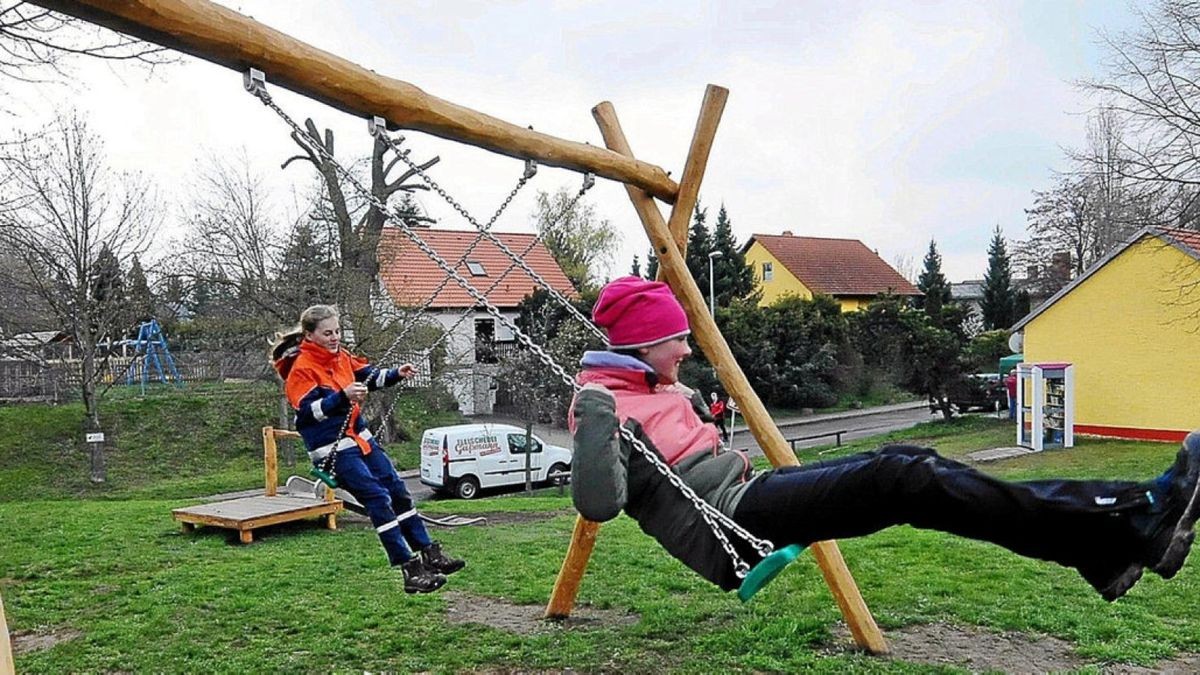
[
  {"x": 768, "y": 271},
  {"x": 516, "y": 444},
  {"x": 485, "y": 341},
  {"x": 476, "y": 268}
]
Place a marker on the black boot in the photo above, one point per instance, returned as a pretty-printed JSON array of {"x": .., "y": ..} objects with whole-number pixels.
[
  {"x": 420, "y": 579},
  {"x": 1168, "y": 527},
  {"x": 1115, "y": 581},
  {"x": 438, "y": 561}
]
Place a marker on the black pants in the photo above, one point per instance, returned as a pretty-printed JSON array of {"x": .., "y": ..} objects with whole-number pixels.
[{"x": 1081, "y": 524}]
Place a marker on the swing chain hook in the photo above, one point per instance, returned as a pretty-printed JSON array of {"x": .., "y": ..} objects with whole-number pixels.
[{"x": 255, "y": 82}]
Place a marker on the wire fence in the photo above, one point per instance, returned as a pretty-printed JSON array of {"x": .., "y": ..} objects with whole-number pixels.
[{"x": 59, "y": 380}]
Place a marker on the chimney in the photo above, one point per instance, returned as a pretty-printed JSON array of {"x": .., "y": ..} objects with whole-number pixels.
[
  {"x": 1060, "y": 264},
  {"x": 1031, "y": 272},
  {"x": 788, "y": 233}
]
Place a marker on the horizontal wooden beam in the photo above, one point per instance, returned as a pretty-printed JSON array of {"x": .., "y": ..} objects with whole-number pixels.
[{"x": 225, "y": 37}]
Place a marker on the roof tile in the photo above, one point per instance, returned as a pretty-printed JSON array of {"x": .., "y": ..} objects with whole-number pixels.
[{"x": 411, "y": 277}]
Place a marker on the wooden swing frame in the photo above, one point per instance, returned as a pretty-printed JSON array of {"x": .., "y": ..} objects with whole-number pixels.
[{"x": 225, "y": 37}]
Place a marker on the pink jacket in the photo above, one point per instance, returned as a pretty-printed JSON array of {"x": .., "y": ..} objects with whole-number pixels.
[{"x": 665, "y": 412}]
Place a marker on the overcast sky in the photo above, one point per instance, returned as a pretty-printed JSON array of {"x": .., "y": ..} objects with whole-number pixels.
[{"x": 889, "y": 122}]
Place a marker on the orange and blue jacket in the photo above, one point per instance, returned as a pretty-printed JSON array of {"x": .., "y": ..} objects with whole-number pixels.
[{"x": 314, "y": 379}]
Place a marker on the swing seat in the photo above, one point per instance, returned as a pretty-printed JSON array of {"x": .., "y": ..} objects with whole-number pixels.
[
  {"x": 327, "y": 479},
  {"x": 767, "y": 569}
]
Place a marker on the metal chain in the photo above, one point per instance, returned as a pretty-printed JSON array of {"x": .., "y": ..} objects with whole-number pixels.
[
  {"x": 530, "y": 172},
  {"x": 711, "y": 515},
  {"x": 433, "y": 185}
]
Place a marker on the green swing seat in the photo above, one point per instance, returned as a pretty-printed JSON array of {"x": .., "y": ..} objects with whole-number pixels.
[
  {"x": 324, "y": 477},
  {"x": 767, "y": 569}
]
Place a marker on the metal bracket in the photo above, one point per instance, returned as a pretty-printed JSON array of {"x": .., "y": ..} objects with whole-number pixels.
[
  {"x": 530, "y": 169},
  {"x": 377, "y": 126},
  {"x": 589, "y": 179},
  {"x": 255, "y": 81}
]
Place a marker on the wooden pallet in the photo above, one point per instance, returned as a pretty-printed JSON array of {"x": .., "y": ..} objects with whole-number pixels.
[{"x": 250, "y": 513}]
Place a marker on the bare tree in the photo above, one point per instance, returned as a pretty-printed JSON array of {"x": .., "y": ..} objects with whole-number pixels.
[
  {"x": 71, "y": 212},
  {"x": 233, "y": 237},
  {"x": 36, "y": 44},
  {"x": 357, "y": 220},
  {"x": 1149, "y": 121}
]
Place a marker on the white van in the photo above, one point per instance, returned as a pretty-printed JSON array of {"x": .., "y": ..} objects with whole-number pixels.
[{"x": 463, "y": 458}]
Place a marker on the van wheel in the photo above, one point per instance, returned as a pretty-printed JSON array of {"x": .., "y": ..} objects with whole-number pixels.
[
  {"x": 557, "y": 467},
  {"x": 467, "y": 487}
]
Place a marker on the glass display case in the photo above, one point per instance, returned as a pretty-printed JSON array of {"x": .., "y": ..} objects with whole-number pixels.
[{"x": 1045, "y": 405}]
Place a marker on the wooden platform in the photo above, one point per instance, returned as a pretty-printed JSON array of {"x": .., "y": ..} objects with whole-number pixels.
[
  {"x": 247, "y": 514},
  {"x": 250, "y": 513}
]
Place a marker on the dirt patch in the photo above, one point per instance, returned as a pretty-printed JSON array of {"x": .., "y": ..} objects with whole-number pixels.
[
  {"x": 24, "y": 642},
  {"x": 980, "y": 650},
  {"x": 527, "y": 619}
]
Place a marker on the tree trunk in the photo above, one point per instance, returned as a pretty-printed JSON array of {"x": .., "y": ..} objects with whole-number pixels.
[{"x": 91, "y": 407}]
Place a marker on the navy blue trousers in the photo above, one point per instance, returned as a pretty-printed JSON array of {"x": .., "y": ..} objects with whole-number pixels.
[
  {"x": 1081, "y": 524},
  {"x": 373, "y": 481}
]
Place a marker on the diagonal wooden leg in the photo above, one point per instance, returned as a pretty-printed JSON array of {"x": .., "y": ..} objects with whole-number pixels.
[
  {"x": 566, "y": 586},
  {"x": 672, "y": 265}
]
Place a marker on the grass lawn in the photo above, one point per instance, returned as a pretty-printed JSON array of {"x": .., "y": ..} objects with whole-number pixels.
[{"x": 103, "y": 580}]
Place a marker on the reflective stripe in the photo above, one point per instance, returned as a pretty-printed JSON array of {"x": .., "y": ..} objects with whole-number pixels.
[
  {"x": 406, "y": 515},
  {"x": 387, "y": 526},
  {"x": 317, "y": 412},
  {"x": 381, "y": 379},
  {"x": 346, "y": 442}
]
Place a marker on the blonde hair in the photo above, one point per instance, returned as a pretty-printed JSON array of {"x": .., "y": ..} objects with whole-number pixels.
[{"x": 286, "y": 341}]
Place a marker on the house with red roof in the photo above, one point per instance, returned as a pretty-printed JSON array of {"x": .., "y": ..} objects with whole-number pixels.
[
  {"x": 411, "y": 280},
  {"x": 844, "y": 269}
]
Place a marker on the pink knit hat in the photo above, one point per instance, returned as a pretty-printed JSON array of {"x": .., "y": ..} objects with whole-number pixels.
[{"x": 637, "y": 313}]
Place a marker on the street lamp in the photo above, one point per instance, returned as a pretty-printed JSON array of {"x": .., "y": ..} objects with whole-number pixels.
[{"x": 712, "y": 298}]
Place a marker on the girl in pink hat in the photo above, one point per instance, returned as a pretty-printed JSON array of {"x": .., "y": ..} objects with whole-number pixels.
[{"x": 1109, "y": 531}]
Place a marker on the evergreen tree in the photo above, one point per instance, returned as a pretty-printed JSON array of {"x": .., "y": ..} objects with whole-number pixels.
[
  {"x": 108, "y": 292},
  {"x": 699, "y": 246},
  {"x": 999, "y": 300},
  {"x": 636, "y": 270},
  {"x": 651, "y": 265},
  {"x": 140, "y": 299},
  {"x": 734, "y": 279},
  {"x": 933, "y": 283},
  {"x": 305, "y": 271}
]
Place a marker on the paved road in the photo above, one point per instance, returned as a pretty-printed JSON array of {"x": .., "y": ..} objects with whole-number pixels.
[
  {"x": 857, "y": 424},
  {"x": 863, "y": 424}
]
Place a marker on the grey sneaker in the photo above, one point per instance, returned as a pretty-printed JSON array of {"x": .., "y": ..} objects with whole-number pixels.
[
  {"x": 420, "y": 579},
  {"x": 437, "y": 560},
  {"x": 1168, "y": 528}
]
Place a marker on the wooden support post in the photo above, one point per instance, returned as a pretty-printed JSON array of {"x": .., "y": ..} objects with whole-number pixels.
[
  {"x": 6, "y": 653},
  {"x": 566, "y": 586},
  {"x": 270, "y": 461},
  {"x": 225, "y": 37},
  {"x": 673, "y": 266}
]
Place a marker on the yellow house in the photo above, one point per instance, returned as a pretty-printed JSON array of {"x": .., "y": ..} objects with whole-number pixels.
[
  {"x": 844, "y": 269},
  {"x": 1129, "y": 325}
]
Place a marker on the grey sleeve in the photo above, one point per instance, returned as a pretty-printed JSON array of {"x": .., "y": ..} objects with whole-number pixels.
[{"x": 599, "y": 469}]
